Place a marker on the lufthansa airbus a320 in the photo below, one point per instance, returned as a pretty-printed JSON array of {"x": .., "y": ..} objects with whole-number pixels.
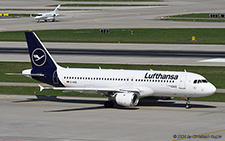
[{"x": 122, "y": 87}]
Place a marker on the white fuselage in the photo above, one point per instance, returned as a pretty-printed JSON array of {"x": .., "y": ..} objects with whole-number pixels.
[
  {"x": 150, "y": 83},
  {"x": 48, "y": 16}
]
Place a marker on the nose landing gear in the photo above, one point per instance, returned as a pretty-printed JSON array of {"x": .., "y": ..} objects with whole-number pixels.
[{"x": 188, "y": 104}]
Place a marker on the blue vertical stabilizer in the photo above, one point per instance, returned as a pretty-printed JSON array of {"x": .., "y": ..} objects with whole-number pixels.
[{"x": 42, "y": 62}]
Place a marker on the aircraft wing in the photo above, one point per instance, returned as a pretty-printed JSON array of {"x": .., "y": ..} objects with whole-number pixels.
[{"x": 89, "y": 89}]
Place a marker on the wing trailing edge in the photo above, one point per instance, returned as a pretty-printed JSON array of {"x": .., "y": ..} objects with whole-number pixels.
[{"x": 89, "y": 89}]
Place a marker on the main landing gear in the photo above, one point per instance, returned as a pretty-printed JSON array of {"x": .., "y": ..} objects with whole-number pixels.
[
  {"x": 188, "y": 105},
  {"x": 111, "y": 101},
  {"x": 109, "y": 104}
]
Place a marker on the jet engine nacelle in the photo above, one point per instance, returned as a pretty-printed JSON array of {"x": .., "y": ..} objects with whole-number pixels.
[{"x": 127, "y": 99}]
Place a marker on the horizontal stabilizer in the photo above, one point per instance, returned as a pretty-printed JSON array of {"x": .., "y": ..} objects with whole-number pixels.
[
  {"x": 42, "y": 88},
  {"x": 38, "y": 75}
]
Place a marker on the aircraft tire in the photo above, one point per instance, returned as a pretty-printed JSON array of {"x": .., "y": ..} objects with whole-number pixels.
[{"x": 188, "y": 106}]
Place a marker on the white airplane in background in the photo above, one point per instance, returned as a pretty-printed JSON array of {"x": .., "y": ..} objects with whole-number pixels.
[
  {"x": 48, "y": 16},
  {"x": 122, "y": 87}
]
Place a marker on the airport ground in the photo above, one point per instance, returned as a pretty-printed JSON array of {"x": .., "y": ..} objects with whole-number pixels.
[
  {"x": 113, "y": 17},
  {"x": 85, "y": 119},
  {"x": 75, "y": 118}
]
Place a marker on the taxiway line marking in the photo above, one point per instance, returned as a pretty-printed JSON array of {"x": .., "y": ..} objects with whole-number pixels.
[
  {"x": 100, "y": 19},
  {"x": 7, "y": 96},
  {"x": 200, "y": 135}
]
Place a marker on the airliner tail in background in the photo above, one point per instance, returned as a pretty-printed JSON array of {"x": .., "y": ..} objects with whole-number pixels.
[{"x": 122, "y": 87}]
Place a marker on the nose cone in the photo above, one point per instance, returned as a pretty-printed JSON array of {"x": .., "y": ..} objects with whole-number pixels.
[
  {"x": 211, "y": 89},
  {"x": 38, "y": 17}
]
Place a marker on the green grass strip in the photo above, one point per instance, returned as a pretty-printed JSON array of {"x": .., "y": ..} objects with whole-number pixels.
[
  {"x": 194, "y": 17},
  {"x": 162, "y": 36},
  {"x": 47, "y": 10},
  {"x": 197, "y": 20},
  {"x": 213, "y": 74},
  {"x": 16, "y": 16}
]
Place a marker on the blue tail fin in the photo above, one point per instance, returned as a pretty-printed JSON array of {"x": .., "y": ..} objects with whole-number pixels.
[
  {"x": 39, "y": 55},
  {"x": 42, "y": 62}
]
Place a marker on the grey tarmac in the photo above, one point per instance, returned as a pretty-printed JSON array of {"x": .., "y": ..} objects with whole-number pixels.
[
  {"x": 77, "y": 118},
  {"x": 112, "y": 17},
  {"x": 164, "y": 56}
]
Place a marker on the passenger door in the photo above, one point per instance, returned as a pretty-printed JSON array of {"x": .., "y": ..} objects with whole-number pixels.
[{"x": 182, "y": 82}]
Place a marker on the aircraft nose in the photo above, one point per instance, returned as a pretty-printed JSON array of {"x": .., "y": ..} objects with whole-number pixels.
[
  {"x": 37, "y": 17},
  {"x": 211, "y": 89}
]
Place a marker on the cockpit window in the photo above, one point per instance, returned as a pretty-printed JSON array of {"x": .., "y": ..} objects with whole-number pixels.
[
  {"x": 200, "y": 81},
  {"x": 39, "y": 14},
  {"x": 204, "y": 81}
]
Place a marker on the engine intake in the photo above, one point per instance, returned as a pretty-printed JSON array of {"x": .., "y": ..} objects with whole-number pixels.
[{"x": 127, "y": 99}]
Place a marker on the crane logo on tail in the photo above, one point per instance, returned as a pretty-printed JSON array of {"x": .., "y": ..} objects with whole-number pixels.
[{"x": 39, "y": 57}]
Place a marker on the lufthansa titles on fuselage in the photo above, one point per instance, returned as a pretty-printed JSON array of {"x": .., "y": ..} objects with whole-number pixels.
[{"x": 161, "y": 76}]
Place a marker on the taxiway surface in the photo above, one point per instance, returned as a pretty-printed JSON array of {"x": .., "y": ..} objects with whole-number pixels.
[
  {"x": 112, "y": 17},
  {"x": 112, "y": 53},
  {"x": 25, "y": 118}
]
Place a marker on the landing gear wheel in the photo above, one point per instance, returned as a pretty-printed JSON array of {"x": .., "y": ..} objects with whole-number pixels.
[
  {"x": 109, "y": 104},
  {"x": 188, "y": 106}
]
